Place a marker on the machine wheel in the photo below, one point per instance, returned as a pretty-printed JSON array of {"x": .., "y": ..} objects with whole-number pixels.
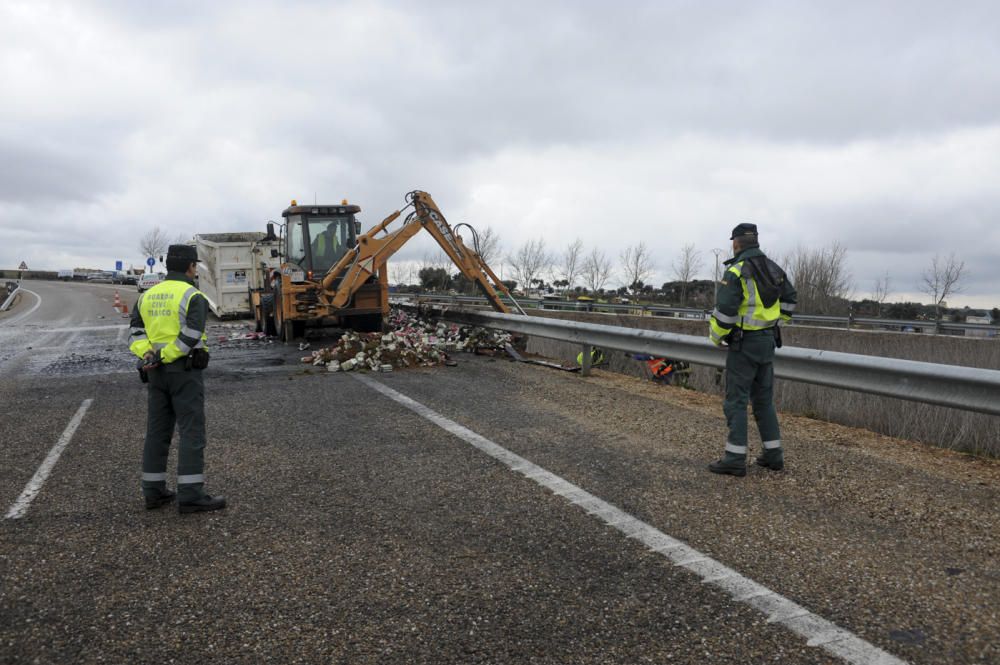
[
  {"x": 287, "y": 330},
  {"x": 280, "y": 324},
  {"x": 258, "y": 316},
  {"x": 267, "y": 315},
  {"x": 292, "y": 329}
]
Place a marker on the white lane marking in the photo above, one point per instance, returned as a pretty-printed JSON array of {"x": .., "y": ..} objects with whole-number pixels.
[
  {"x": 817, "y": 631},
  {"x": 119, "y": 328},
  {"x": 25, "y": 315},
  {"x": 34, "y": 486}
]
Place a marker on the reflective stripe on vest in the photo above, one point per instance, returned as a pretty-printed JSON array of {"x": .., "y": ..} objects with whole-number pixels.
[
  {"x": 164, "y": 312},
  {"x": 753, "y": 314}
]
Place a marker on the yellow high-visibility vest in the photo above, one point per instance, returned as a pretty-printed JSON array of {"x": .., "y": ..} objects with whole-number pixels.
[
  {"x": 321, "y": 243},
  {"x": 164, "y": 314},
  {"x": 753, "y": 315}
]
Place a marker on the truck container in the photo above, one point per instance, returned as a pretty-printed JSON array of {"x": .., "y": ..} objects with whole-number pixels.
[{"x": 233, "y": 265}]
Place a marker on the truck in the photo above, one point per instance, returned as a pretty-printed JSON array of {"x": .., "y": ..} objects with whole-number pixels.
[
  {"x": 330, "y": 274},
  {"x": 234, "y": 266}
]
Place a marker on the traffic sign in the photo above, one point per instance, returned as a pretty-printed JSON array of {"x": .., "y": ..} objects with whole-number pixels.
[
  {"x": 118, "y": 265},
  {"x": 151, "y": 262},
  {"x": 23, "y": 266}
]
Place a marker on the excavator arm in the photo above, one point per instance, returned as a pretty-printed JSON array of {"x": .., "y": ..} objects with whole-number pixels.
[{"x": 371, "y": 253}]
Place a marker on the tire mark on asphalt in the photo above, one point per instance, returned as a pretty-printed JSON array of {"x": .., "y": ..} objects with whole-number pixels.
[
  {"x": 817, "y": 631},
  {"x": 34, "y": 486}
]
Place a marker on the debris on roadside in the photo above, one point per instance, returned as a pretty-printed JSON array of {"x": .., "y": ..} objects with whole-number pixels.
[
  {"x": 234, "y": 336},
  {"x": 515, "y": 355},
  {"x": 412, "y": 342}
]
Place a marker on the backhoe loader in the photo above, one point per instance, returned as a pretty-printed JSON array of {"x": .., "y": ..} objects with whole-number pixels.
[{"x": 332, "y": 275}]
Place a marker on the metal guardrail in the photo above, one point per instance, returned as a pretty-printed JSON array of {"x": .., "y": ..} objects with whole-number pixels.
[
  {"x": 11, "y": 293},
  {"x": 966, "y": 388},
  {"x": 694, "y": 313}
]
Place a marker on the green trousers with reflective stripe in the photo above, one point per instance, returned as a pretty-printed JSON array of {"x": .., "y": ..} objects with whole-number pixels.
[
  {"x": 750, "y": 378},
  {"x": 175, "y": 398}
]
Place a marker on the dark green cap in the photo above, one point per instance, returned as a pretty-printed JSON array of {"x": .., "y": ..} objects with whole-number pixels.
[
  {"x": 183, "y": 252},
  {"x": 744, "y": 229}
]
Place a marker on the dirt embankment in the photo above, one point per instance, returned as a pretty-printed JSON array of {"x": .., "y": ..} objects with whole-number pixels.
[{"x": 947, "y": 428}]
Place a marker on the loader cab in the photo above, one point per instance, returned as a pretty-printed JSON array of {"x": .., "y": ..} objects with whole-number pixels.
[{"x": 317, "y": 236}]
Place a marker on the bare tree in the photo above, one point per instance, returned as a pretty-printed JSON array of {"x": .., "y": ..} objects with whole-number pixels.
[
  {"x": 402, "y": 272},
  {"x": 821, "y": 278},
  {"x": 489, "y": 244},
  {"x": 530, "y": 261},
  {"x": 686, "y": 266},
  {"x": 942, "y": 280},
  {"x": 880, "y": 293},
  {"x": 437, "y": 260},
  {"x": 596, "y": 270},
  {"x": 571, "y": 262},
  {"x": 153, "y": 242},
  {"x": 637, "y": 265}
]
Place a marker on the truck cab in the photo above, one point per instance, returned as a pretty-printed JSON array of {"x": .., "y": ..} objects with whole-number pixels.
[
  {"x": 332, "y": 275},
  {"x": 317, "y": 236}
]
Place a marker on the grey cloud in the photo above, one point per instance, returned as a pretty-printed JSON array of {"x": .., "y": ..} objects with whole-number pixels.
[
  {"x": 34, "y": 170},
  {"x": 482, "y": 77},
  {"x": 397, "y": 97}
]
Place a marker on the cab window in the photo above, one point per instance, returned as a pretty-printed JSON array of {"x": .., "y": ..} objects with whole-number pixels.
[
  {"x": 328, "y": 240},
  {"x": 296, "y": 243}
]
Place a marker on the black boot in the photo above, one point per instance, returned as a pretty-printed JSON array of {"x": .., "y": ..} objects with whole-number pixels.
[
  {"x": 160, "y": 500},
  {"x": 202, "y": 504},
  {"x": 732, "y": 466},
  {"x": 773, "y": 459}
]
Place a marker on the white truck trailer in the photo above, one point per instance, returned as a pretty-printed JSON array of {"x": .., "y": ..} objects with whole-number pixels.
[{"x": 233, "y": 265}]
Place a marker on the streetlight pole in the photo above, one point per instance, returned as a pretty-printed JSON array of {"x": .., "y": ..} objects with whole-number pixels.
[{"x": 718, "y": 252}]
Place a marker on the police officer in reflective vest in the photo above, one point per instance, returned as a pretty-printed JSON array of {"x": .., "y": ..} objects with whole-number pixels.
[
  {"x": 168, "y": 335},
  {"x": 753, "y": 295}
]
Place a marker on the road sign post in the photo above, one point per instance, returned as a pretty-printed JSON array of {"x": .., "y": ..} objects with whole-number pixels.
[
  {"x": 151, "y": 262},
  {"x": 118, "y": 266}
]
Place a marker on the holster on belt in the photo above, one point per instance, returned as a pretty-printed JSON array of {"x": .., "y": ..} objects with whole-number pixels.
[
  {"x": 197, "y": 359},
  {"x": 734, "y": 340}
]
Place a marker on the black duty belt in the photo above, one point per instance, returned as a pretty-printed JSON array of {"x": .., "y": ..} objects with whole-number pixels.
[{"x": 765, "y": 331}]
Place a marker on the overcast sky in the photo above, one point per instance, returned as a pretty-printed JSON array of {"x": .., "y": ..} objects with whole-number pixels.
[{"x": 872, "y": 124}]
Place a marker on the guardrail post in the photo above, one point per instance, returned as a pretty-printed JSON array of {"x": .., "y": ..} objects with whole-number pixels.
[{"x": 588, "y": 351}]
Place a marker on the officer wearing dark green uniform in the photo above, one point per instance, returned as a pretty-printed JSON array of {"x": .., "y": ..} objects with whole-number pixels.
[
  {"x": 168, "y": 334},
  {"x": 753, "y": 295}
]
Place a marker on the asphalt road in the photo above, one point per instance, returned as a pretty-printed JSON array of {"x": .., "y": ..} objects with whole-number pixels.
[{"x": 378, "y": 519}]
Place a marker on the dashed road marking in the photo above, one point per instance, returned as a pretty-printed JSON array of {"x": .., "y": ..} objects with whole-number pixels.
[
  {"x": 817, "y": 631},
  {"x": 34, "y": 486}
]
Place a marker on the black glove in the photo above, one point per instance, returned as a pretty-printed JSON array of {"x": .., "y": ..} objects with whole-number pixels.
[{"x": 150, "y": 361}]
